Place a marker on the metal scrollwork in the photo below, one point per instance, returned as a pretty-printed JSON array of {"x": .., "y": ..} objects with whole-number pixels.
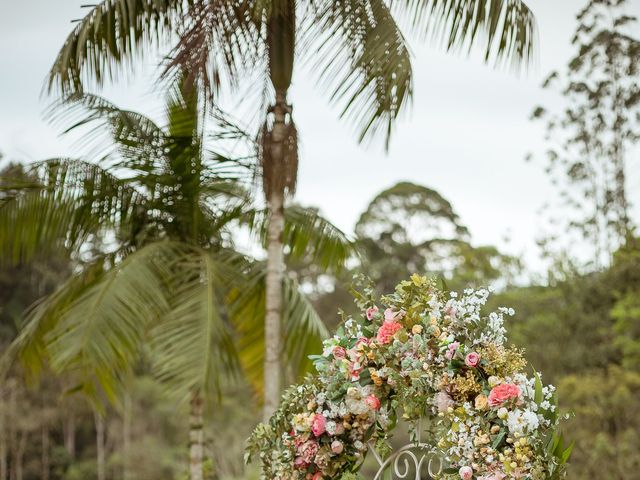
[{"x": 408, "y": 462}]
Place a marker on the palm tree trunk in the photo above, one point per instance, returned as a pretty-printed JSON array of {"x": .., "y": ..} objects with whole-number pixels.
[
  {"x": 69, "y": 432},
  {"x": 12, "y": 429},
  {"x": 4, "y": 464},
  {"x": 275, "y": 272},
  {"x": 275, "y": 261},
  {"x": 281, "y": 161},
  {"x": 196, "y": 438},
  {"x": 45, "y": 460},
  {"x": 19, "y": 457},
  {"x": 126, "y": 436},
  {"x": 100, "y": 447}
]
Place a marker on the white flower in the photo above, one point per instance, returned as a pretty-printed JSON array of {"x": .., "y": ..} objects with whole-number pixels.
[{"x": 522, "y": 421}]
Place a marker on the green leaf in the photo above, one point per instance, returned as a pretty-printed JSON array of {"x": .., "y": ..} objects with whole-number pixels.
[
  {"x": 538, "y": 388},
  {"x": 498, "y": 439},
  {"x": 69, "y": 202},
  {"x": 311, "y": 237},
  {"x": 566, "y": 454},
  {"x": 507, "y": 27}
]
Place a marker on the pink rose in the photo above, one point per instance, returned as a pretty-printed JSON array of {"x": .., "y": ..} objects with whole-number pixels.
[
  {"x": 472, "y": 359},
  {"x": 337, "y": 447},
  {"x": 372, "y": 402},
  {"x": 466, "y": 473},
  {"x": 300, "y": 463},
  {"x": 339, "y": 352},
  {"x": 354, "y": 370},
  {"x": 307, "y": 451},
  {"x": 371, "y": 311},
  {"x": 318, "y": 425},
  {"x": 452, "y": 347},
  {"x": 386, "y": 331},
  {"x": 503, "y": 392},
  {"x": 353, "y": 354},
  {"x": 339, "y": 429}
]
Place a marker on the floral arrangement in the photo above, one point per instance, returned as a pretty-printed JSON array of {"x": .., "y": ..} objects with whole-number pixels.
[{"x": 418, "y": 353}]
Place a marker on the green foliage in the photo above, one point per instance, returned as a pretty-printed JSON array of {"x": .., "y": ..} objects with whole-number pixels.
[
  {"x": 168, "y": 275},
  {"x": 583, "y": 333},
  {"x": 605, "y": 421},
  {"x": 411, "y": 228},
  {"x": 303, "y": 329},
  {"x": 407, "y": 228}
]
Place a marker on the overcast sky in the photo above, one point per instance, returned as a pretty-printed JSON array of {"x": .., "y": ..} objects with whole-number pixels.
[{"x": 466, "y": 134}]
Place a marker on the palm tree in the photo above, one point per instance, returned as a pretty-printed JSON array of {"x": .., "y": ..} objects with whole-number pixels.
[
  {"x": 148, "y": 228},
  {"x": 356, "y": 46}
]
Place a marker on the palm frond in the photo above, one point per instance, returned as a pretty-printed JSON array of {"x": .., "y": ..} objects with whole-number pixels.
[
  {"x": 192, "y": 347},
  {"x": 311, "y": 236},
  {"x": 137, "y": 138},
  {"x": 224, "y": 202},
  {"x": 507, "y": 27},
  {"x": 30, "y": 345},
  {"x": 70, "y": 201},
  {"x": 107, "y": 38},
  {"x": 365, "y": 60},
  {"x": 182, "y": 111},
  {"x": 308, "y": 236},
  {"x": 303, "y": 329},
  {"x": 217, "y": 41},
  {"x": 98, "y": 336}
]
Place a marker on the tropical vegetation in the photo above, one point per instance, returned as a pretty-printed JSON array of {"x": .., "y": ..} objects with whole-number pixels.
[
  {"x": 358, "y": 48},
  {"x": 157, "y": 279}
]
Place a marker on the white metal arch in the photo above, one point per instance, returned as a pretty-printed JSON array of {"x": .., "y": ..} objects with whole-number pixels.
[{"x": 407, "y": 462}]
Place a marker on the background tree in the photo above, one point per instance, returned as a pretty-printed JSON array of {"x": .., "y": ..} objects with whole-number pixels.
[
  {"x": 411, "y": 228},
  {"x": 407, "y": 228},
  {"x": 592, "y": 139}
]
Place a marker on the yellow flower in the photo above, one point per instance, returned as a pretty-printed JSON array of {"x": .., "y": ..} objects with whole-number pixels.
[
  {"x": 376, "y": 379},
  {"x": 501, "y": 361},
  {"x": 417, "y": 329},
  {"x": 481, "y": 402}
]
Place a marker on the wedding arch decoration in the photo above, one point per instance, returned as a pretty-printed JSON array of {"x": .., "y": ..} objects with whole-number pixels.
[{"x": 421, "y": 355}]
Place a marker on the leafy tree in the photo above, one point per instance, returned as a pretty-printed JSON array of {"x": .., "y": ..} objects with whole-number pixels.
[
  {"x": 582, "y": 333},
  {"x": 160, "y": 276},
  {"x": 21, "y": 285},
  {"x": 358, "y": 49},
  {"x": 411, "y": 228},
  {"x": 591, "y": 139},
  {"x": 605, "y": 422},
  {"x": 407, "y": 228}
]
